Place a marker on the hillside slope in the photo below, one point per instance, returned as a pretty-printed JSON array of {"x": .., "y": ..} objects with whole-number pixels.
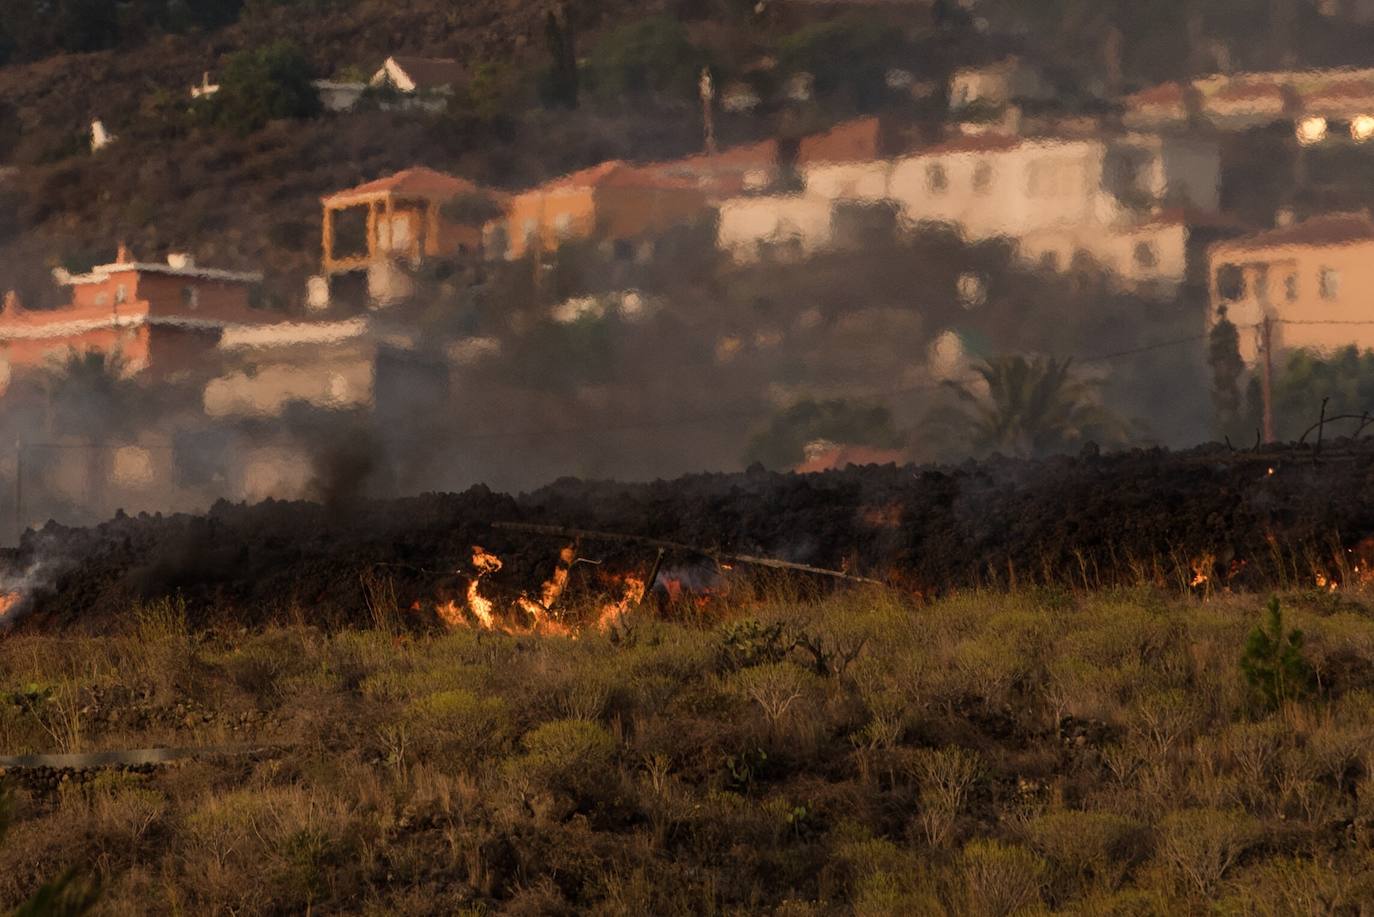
[{"x": 253, "y": 201}]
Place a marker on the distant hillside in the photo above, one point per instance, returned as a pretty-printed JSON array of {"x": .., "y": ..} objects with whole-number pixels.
[
  {"x": 253, "y": 201},
  {"x": 170, "y": 182}
]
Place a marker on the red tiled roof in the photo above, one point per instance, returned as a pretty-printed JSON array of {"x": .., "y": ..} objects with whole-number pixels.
[
  {"x": 987, "y": 143},
  {"x": 852, "y": 141},
  {"x": 419, "y": 181},
  {"x": 1331, "y": 229},
  {"x": 1163, "y": 94},
  {"x": 618, "y": 174},
  {"x": 430, "y": 72},
  {"x": 761, "y": 155},
  {"x": 723, "y": 173},
  {"x": 1246, "y": 92}
]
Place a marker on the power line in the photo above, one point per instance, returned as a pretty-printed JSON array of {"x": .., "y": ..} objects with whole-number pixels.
[{"x": 1323, "y": 321}]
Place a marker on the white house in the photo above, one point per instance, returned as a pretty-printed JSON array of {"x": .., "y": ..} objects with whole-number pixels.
[
  {"x": 1106, "y": 198},
  {"x": 1007, "y": 186},
  {"x": 426, "y": 81}
]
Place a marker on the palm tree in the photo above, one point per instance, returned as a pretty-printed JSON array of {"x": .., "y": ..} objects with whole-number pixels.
[
  {"x": 89, "y": 393},
  {"x": 1033, "y": 407}
]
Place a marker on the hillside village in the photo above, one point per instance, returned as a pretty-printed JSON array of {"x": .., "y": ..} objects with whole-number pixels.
[{"x": 656, "y": 257}]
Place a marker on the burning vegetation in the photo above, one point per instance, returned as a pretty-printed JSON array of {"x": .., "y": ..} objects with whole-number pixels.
[{"x": 1206, "y": 521}]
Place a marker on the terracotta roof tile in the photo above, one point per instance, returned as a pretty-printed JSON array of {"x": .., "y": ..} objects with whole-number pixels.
[
  {"x": 1331, "y": 229},
  {"x": 988, "y": 143},
  {"x": 852, "y": 141},
  {"x": 618, "y": 174},
  {"x": 418, "y": 181},
  {"x": 1163, "y": 94}
]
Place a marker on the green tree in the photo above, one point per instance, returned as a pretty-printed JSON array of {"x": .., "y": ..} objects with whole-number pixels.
[
  {"x": 89, "y": 393},
  {"x": 783, "y": 444},
  {"x": 1033, "y": 407},
  {"x": 1345, "y": 377},
  {"x": 652, "y": 55},
  {"x": 486, "y": 100},
  {"x": 848, "y": 56},
  {"x": 561, "y": 79},
  {"x": 262, "y": 85},
  {"x": 1223, "y": 355},
  {"x": 1273, "y": 662}
]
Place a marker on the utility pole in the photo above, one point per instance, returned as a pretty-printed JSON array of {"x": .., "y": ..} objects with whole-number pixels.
[
  {"x": 1267, "y": 375},
  {"x": 708, "y": 94},
  {"x": 18, "y": 489}
]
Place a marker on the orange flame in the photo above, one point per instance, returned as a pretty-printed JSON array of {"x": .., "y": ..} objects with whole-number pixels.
[
  {"x": 1202, "y": 567},
  {"x": 9, "y": 601},
  {"x": 480, "y": 606},
  {"x": 612, "y": 612},
  {"x": 549, "y": 592}
]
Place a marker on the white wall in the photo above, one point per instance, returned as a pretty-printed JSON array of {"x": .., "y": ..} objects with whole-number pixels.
[
  {"x": 747, "y": 222},
  {"x": 855, "y": 181},
  {"x": 1036, "y": 185}
]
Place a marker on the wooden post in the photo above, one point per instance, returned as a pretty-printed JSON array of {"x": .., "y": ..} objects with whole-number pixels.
[
  {"x": 708, "y": 94},
  {"x": 371, "y": 230},
  {"x": 1266, "y": 376},
  {"x": 388, "y": 214},
  {"x": 327, "y": 239},
  {"x": 18, "y": 489}
]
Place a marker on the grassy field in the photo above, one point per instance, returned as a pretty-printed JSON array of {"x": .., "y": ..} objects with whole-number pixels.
[{"x": 984, "y": 754}]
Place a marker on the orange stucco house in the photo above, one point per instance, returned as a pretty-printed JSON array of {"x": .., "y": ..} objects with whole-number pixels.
[
  {"x": 1311, "y": 279},
  {"x": 614, "y": 202},
  {"x": 406, "y": 216},
  {"x": 160, "y": 317}
]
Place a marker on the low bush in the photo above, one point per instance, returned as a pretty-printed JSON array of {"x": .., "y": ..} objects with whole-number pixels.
[{"x": 981, "y": 754}]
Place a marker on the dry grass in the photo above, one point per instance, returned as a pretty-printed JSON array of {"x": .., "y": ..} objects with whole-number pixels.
[{"x": 988, "y": 753}]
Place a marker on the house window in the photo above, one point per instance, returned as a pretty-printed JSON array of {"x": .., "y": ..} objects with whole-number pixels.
[
  {"x": 936, "y": 179},
  {"x": 190, "y": 297},
  {"x": 102, "y": 298},
  {"x": 1146, "y": 256},
  {"x": 1230, "y": 282},
  {"x": 530, "y": 228},
  {"x": 1329, "y": 282},
  {"x": 1290, "y": 287},
  {"x": 121, "y": 294},
  {"x": 982, "y": 177},
  {"x": 562, "y": 225}
]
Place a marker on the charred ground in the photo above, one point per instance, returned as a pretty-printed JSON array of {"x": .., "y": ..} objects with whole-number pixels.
[{"x": 1202, "y": 518}]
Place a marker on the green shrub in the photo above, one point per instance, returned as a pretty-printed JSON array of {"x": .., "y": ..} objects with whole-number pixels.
[
  {"x": 1273, "y": 662},
  {"x": 1087, "y": 848},
  {"x": 651, "y": 55},
  {"x": 1000, "y": 879},
  {"x": 751, "y": 642},
  {"x": 1201, "y": 845},
  {"x": 459, "y": 725},
  {"x": 945, "y": 776},
  {"x": 567, "y": 754},
  {"x": 262, "y": 85}
]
